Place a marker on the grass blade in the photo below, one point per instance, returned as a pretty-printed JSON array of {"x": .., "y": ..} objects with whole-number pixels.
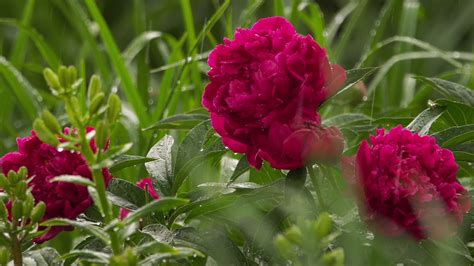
[{"x": 19, "y": 50}]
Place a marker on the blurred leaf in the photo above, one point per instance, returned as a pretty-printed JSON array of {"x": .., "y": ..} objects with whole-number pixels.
[
  {"x": 354, "y": 76},
  {"x": 42, "y": 257},
  {"x": 88, "y": 255},
  {"x": 181, "y": 121},
  {"x": 177, "y": 253},
  {"x": 162, "y": 205},
  {"x": 242, "y": 167},
  {"x": 75, "y": 179},
  {"x": 343, "y": 119},
  {"x": 161, "y": 169},
  {"x": 451, "y": 90},
  {"x": 125, "y": 194},
  {"x": 124, "y": 161},
  {"x": 86, "y": 226},
  {"x": 159, "y": 232},
  {"x": 425, "y": 119},
  {"x": 455, "y": 135},
  {"x": 464, "y": 152}
]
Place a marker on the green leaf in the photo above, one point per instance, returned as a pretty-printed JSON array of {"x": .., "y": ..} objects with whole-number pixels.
[
  {"x": 88, "y": 255},
  {"x": 177, "y": 253},
  {"x": 125, "y": 161},
  {"x": 242, "y": 167},
  {"x": 41, "y": 257},
  {"x": 161, "y": 205},
  {"x": 451, "y": 90},
  {"x": 457, "y": 113},
  {"x": 74, "y": 179},
  {"x": 88, "y": 227},
  {"x": 125, "y": 194},
  {"x": 455, "y": 135},
  {"x": 354, "y": 76},
  {"x": 464, "y": 152},
  {"x": 181, "y": 121},
  {"x": 343, "y": 119},
  {"x": 425, "y": 119},
  {"x": 161, "y": 169}
]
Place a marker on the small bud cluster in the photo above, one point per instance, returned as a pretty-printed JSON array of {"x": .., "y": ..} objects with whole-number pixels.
[
  {"x": 309, "y": 239},
  {"x": 19, "y": 218}
]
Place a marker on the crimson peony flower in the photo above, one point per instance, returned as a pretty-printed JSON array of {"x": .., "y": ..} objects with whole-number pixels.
[
  {"x": 44, "y": 162},
  {"x": 145, "y": 183},
  {"x": 407, "y": 183},
  {"x": 265, "y": 87}
]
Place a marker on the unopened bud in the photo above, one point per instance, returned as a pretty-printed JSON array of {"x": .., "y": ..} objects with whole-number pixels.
[
  {"x": 23, "y": 173},
  {"x": 38, "y": 212},
  {"x": 13, "y": 178},
  {"x": 333, "y": 258},
  {"x": 21, "y": 188},
  {"x": 322, "y": 226},
  {"x": 101, "y": 134},
  {"x": 3, "y": 211},
  {"x": 96, "y": 103},
  {"x": 44, "y": 134},
  {"x": 17, "y": 209},
  {"x": 52, "y": 79},
  {"x": 3, "y": 181},
  {"x": 95, "y": 87},
  {"x": 72, "y": 111},
  {"x": 114, "y": 108},
  {"x": 284, "y": 246},
  {"x": 63, "y": 77},
  {"x": 72, "y": 74},
  {"x": 28, "y": 205},
  {"x": 51, "y": 122},
  {"x": 294, "y": 234}
]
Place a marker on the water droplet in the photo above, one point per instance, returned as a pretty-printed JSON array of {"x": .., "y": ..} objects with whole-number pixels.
[
  {"x": 456, "y": 54},
  {"x": 201, "y": 149},
  {"x": 200, "y": 205},
  {"x": 365, "y": 98},
  {"x": 151, "y": 102},
  {"x": 60, "y": 149}
]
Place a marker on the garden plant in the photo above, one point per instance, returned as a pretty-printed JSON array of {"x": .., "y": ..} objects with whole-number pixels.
[{"x": 220, "y": 132}]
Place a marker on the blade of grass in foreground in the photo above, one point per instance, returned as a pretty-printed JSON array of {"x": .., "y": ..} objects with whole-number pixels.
[
  {"x": 130, "y": 90},
  {"x": 19, "y": 50}
]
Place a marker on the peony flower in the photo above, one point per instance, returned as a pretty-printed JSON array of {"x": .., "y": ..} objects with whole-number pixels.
[
  {"x": 44, "y": 162},
  {"x": 269, "y": 78},
  {"x": 407, "y": 184},
  {"x": 145, "y": 183}
]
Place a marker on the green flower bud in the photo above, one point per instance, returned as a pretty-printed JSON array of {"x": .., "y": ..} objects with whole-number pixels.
[
  {"x": 23, "y": 173},
  {"x": 63, "y": 77},
  {"x": 101, "y": 134},
  {"x": 114, "y": 107},
  {"x": 13, "y": 178},
  {"x": 95, "y": 87},
  {"x": 52, "y": 80},
  {"x": 51, "y": 122},
  {"x": 28, "y": 205},
  {"x": 72, "y": 111},
  {"x": 3, "y": 181},
  {"x": 294, "y": 234},
  {"x": 322, "y": 227},
  {"x": 284, "y": 246},
  {"x": 38, "y": 212},
  {"x": 3, "y": 211},
  {"x": 333, "y": 258},
  {"x": 72, "y": 74},
  {"x": 17, "y": 209},
  {"x": 96, "y": 103},
  {"x": 21, "y": 188},
  {"x": 44, "y": 134},
  {"x": 4, "y": 256}
]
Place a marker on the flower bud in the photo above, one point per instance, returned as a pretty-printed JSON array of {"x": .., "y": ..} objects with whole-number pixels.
[
  {"x": 333, "y": 258},
  {"x": 114, "y": 107},
  {"x": 284, "y": 246},
  {"x": 44, "y": 134},
  {"x": 96, "y": 103},
  {"x": 51, "y": 122},
  {"x": 322, "y": 226},
  {"x": 17, "y": 209},
  {"x": 72, "y": 74},
  {"x": 13, "y": 178},
  {"x": 63, "y": 77},
  {"x": 38, "y": 212},
  {"x": 52, "y": 80},
  {"x": 3, "y": 181},
  {"x": 72, "y": 111},
  {"x": 3, "y": 211},
  {"x": 101, "y": 135},
  {"x": 22, "y": 173},
  {"x": 293, "y": 234},
  {"x": 28, "y": 205},
  {"x": 95, "y": 87},
  {"x": 21, "y": 188},
  {"x": 4, "y": 256}
]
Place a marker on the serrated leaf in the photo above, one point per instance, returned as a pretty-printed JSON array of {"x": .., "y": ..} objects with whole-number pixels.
[
  {"x": 88, "y": 227},
  {"x": 425, "y": 119},
  {"x": 161, "y": 169},
  {"x": 181, "y": 121},
  {"x": 161, "y": 205},
  {"x": 75, "y": 179},
  {"x": 125, "y": 194},
  {"x": 125, "y": 161},
  {"x": 451, "y": 90},
  {"x": 242, "y": 167}
]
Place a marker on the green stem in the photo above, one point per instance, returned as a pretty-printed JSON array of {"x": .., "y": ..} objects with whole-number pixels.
[
  {"x": 16, "y": 247},
  {"x": 314, "y": 180}
]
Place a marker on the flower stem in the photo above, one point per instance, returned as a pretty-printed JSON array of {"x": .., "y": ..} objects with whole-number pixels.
[
  {"x": 16, "y": 246},
  {"x": 314, "y": 180}
]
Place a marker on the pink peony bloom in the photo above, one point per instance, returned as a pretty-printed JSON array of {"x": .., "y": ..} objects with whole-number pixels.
[
  {"x": 268, "y": 79},
  {"x": 44, "y": 162},
  {"x": 407, "y": 184},
  {"x": 144, "y": 183}
]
